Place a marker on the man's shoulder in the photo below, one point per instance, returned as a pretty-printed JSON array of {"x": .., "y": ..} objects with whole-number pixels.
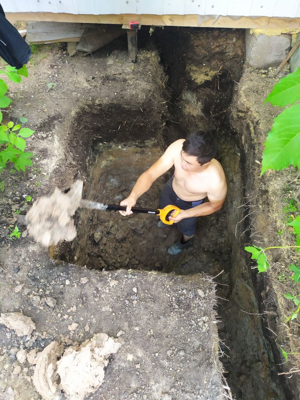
[{"x": 216, "y": 172}]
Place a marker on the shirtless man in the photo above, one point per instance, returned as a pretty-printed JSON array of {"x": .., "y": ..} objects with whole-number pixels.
[{"x": 197, "y": 175}]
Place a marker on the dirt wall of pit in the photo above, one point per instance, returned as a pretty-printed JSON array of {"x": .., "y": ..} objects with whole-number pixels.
[{"x": 263, "y": 203}]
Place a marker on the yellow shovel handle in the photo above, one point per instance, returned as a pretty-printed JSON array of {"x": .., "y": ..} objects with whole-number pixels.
[{"x": 164, "y": 214}]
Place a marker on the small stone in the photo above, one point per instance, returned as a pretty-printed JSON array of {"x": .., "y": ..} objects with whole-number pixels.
[
  {"x": 200, "y": 292},
  {"x": 21, "y": 356},
  {"x": 86, "y": 328},
  {"x": 84, "y": 280},
  {"x": 120, "y": 333},
  {"x": 50, "y": 301},
  {"x": 36, "y": 300},
  {"x": 19, "y": 288},
  {"x": 32, "y": 356},
  {"x": 24, "y": 234},
  {"x": 17, "y": 370},
  {"x": 67, "y": 282},
  {"x": 73, "y": 327}
]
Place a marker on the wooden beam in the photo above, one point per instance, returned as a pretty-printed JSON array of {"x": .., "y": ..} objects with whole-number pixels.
[{"x": 284, "y": 24}]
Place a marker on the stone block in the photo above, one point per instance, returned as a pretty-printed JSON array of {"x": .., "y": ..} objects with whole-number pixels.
[
  {"x": 295, "y": 59},
  {"x": 264, "y": 51}
]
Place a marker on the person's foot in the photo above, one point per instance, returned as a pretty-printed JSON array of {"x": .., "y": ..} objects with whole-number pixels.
[{"x": 178, "y": 247}]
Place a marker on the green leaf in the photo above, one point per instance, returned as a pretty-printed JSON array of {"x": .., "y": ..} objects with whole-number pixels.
[
  {"x": 26, "y": 132},
  {"x": 10, "y": 124},
  {"x": 23, "y": 161},
  {"x": 296, "y": 225},
  {"x": 284, "y": 354},
  {"x": 289, "y": 296},
  {"x": 23, "y": 120},
  {"x": 10, "y": 155},
  {"x": 11, "y": 69},
  {"x": 255, "y": 251},
  {"x": 296, "y": 270},
  {"x": 1, "y": 116},
  {"x": 4, "y": 102},
  {"x": 20, "y": 143},
  {"x": 283, "y": 141},
  {"x": 3, "y": 137},
  {"x": 262, "y": 263},
  {"x": 259, "y": 255},
  {"x": 3, "y": 88},
  {"x": 23, "y": 71},
  {"x": 12, "y": 138},
  {"x": 16, "y": 128},
  {"x": 14, "y": 77},
  {"x": 286, "y": 91}
]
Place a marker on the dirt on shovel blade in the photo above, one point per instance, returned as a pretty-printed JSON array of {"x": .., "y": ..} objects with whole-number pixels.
[{"x": 49, "y": 221}]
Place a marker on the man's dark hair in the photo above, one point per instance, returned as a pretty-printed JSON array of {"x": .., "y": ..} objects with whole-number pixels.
[{"x": 201, "y": 145}]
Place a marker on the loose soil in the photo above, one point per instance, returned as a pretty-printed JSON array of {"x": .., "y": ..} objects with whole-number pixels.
[{"x": 105, "y": 121}]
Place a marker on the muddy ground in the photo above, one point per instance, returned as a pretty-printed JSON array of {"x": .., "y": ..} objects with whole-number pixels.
[{"x": 105, "y": 120}]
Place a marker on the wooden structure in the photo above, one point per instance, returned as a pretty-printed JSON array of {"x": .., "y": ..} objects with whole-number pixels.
[{"x": 260, "y": 14}]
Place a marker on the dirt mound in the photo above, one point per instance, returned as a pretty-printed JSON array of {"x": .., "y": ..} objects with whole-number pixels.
[{"x": 50, "y": 218}]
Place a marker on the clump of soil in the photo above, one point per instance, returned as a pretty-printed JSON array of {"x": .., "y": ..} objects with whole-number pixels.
[
  {"x": 78, "y": 371},
  {"x": 49, "y": 221}
]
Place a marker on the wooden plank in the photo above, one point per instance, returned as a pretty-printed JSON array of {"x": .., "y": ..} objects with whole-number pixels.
[
  {"x": 49, "y": 32},
  {"x": 281, "y": 24},
  {"x": 98, "y": 36}
]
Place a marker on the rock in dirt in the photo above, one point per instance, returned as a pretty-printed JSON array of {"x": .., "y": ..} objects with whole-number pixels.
[
  {"x": 45, "y": 376},
  {"x": 21, "y": 324},
  {"x": 82, "y": 370},
  {"x": 49, "y": 221}
]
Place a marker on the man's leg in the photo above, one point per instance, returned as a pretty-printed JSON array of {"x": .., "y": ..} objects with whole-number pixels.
[{"x": 188, "y": 228}]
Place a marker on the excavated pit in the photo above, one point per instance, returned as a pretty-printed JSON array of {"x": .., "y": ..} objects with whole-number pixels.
[{"x": 125, "y": 139}]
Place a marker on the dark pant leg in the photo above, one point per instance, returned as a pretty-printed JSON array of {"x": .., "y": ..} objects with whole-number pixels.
[{"x": 186, "y": 226}]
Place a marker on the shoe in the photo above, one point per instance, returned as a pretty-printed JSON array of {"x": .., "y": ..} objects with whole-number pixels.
[
  {"x": 178, "y": 247},
  {"x": 160, "y": 224}
]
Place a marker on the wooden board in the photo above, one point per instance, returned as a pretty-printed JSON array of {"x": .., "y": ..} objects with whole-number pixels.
[
  {"x": 49, "y": 32},
  {"x": 284, "y": 24}
]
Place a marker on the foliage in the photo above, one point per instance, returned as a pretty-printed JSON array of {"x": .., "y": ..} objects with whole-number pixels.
[
  {"x": 15, "y": 233},
  {"x": 12, "y": 137},
  {"x": 283, "y": 141},
  {"x": 28, "y": 198},
  {"x": 259, "y": 255}
]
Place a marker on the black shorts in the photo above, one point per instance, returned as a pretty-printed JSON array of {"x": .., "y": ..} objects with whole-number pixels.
[{"x": 186, "y": 226}]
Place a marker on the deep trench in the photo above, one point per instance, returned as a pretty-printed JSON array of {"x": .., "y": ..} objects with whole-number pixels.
[{"x": 246, "y": 355}]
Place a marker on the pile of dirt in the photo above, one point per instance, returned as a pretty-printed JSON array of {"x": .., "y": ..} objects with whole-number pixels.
[{"x": 49, "y": 221}]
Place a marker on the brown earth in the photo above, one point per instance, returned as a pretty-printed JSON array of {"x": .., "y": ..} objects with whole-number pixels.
[{"x": 105, "y": 120}]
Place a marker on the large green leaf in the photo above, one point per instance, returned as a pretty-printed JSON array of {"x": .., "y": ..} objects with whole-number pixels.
[
  {"x": 20, "y": 143},
  {"x": 3, "y": 88},
  {"x": 14, "y": 77},
  {"x": 286, "y": 91},
  {"x": 23, "y": 161},
  {"x": 23, "y": 71},
  {"x": 25, "y": 132},
  {"x": 282, "y": 147},
  {"x": 4, "y": 102}
]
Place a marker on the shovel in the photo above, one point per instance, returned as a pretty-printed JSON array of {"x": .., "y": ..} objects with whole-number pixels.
[{"x": 163, "y": 213}]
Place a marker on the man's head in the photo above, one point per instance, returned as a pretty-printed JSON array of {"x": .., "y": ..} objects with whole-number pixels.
[{"x": 200, "y": 145}]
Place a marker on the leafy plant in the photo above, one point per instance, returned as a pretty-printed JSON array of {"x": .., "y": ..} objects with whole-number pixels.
[
  {"x": 297, "y": 304},
  {"x": 12, "y": 137},
  {"x": 283, "y": 141},
  {"x": 28, "y": 198},
  {"x": 15, "y": 233}
]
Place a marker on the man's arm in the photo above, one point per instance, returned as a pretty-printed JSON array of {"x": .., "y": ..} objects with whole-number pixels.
[
  {"x": 145, "y": 181},
  {"x": 216, "y": 199}
]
